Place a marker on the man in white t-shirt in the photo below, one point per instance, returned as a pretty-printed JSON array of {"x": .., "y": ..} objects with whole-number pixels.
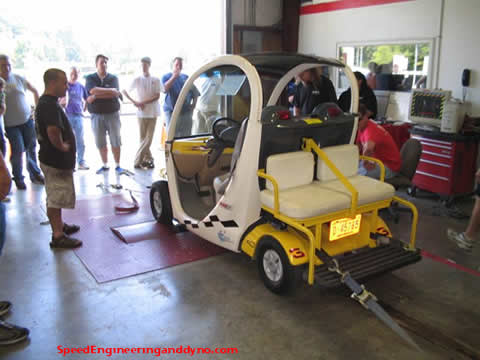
[
  {"x": 148, "y": 92},
  {"x": 206, "y": 111},
  {"x": 19, "y": 125}
]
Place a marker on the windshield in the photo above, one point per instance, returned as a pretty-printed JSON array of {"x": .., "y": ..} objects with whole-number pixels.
[{"x": 220, "y": 92}]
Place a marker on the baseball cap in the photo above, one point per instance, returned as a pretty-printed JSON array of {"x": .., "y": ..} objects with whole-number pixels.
[{"x": 146, "y": 59}]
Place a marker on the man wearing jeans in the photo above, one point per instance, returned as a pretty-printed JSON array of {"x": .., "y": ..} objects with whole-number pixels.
[
  {"x": 376, "y": 142},
  {"x": 104, "y": 105},
  {"x": 76, "y": 95},
  {"x": 19, "y": 125},
  {"x": 9, "y": 334}
]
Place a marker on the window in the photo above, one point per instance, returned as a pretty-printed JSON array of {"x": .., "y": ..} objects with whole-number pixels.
[
  {"x": 392, "y": 66},
  {"x": 223, "y": 91}
]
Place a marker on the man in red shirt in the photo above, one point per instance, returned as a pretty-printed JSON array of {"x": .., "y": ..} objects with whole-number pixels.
[{"x": 375, "y": 141}]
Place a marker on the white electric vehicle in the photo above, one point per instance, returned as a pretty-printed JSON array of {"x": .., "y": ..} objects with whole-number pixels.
[{"x": 246, "y": 175}]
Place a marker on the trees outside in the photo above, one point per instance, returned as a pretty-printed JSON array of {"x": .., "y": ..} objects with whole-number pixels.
[{"x": 384, "y": 54}]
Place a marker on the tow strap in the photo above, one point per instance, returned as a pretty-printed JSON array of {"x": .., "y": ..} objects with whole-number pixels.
[
  {"x": 364, "y": 297},
  {"x": 123, "y": 207},
  {"x": 126, "y": 207}
]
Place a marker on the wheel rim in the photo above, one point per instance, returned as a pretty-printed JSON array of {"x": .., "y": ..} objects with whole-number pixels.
[
  {"x": 157, "y": 203},
  {"x": 272, "y": 264}
]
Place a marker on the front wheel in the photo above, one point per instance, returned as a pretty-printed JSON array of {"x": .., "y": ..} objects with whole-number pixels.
[
  {"x": 275, "y": 270},
  {"x": 160, "y": 202}
]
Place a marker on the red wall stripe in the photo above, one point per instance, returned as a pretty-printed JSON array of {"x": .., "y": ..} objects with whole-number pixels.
[{"x": 343, "y": 5}]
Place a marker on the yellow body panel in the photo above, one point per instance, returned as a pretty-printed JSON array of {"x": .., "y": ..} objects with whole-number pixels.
[
  {"x": 293, "y": 243},
  {"x": 382, "y": 228},
  {"x": 195, "y": 145},
  {"x": 348, "y": 243}
]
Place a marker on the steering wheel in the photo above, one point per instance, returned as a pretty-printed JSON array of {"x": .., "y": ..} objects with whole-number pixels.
[
  {"x": 225, "y": 131},
  {"x": 223, "y": 128}
]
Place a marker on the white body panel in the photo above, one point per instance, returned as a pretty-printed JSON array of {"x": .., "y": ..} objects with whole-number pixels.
[
  {"x": 241, "y": 201},
  {"x": 243, "y": 193}
]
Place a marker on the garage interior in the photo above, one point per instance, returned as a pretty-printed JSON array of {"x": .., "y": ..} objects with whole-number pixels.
[{"x": 217, "y": 300}]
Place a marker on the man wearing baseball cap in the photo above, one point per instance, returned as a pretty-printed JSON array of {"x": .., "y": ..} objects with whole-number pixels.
[{"x": 148, "y": 90}]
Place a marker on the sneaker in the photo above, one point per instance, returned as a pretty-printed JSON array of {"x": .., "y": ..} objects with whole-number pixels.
[
  {"x": 70, "y": 229},
  {"x": 20, "y": 185},
  {"x": 5, "y": 307},
  {"x": 83, "y": 167},
  {"x": 463, "y": 242},
  {"x": 149, "y": 164},
  {"x": 38, "y": 179},
  {"x": 65, "y": 242},
  {"x": 120, "y": 170},
  {"x": 12, "y": 334},
  {"x": 102, "y": 169}
]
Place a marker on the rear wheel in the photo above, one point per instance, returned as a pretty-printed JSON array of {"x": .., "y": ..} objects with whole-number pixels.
[
  {"x": 160, "y": 202},
  {"x": 275, "y": 270}
]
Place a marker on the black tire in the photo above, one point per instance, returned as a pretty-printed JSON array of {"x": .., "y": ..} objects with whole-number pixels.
[
  {"x": 160, "y": 202},
  {"x": 271, "y": 251}
]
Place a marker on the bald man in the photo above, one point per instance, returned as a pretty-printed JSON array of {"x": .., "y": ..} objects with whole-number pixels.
[{"x": 57, "y": 157}]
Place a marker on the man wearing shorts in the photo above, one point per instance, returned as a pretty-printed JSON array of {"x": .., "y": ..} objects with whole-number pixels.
[
  {"x": 57, "y": 157},
  {"x": 104, "y": 105}
]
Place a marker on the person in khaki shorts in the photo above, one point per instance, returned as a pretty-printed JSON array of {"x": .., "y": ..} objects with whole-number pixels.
[
  {"x": 57, "y": 157},
  {"x": 148, "y": 90}
]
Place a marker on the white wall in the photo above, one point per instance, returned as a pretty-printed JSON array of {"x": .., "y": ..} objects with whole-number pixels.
[
  {"x": 460, "y": 49},
  {"x": 320, "y": 33},
  {"x": 419, "y": 19}
]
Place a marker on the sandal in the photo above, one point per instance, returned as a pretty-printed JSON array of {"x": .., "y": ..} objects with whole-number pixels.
[
  {"x": 5, "y": 307},
  {"x": 12, "y": 334},
  {"x": 70, "y": 229}
]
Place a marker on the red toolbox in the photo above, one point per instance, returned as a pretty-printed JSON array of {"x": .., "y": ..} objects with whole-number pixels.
[{"x": 448, "y": 163}]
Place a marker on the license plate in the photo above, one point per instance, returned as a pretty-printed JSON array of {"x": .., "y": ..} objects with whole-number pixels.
[{"x": 344, "y": 227}]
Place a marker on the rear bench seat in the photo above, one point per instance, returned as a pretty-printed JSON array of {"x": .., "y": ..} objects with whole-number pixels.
[{"x": 300, "y": 196}]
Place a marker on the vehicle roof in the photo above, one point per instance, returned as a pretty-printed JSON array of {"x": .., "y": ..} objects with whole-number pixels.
[{"x": 282, "y": 62}]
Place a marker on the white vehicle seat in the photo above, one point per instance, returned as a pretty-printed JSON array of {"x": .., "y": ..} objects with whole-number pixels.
[
  {"x": 220, "y": 182},
  {"x": 301, "y": 197}
]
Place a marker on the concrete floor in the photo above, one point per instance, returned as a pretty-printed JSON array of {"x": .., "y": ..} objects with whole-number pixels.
[{"x": 220, "y": 301}]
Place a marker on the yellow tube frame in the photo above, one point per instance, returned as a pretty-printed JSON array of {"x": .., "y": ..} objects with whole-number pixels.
[
  {"x": 379, "y": 163},
  {"x": 309, "y": 145},
  {"x": 413, "y": 232}
]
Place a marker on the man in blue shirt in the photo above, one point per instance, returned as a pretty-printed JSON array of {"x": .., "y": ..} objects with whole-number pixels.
[
  {"x": 74, "y": 107},
  {"x": 173, "y": 83}
]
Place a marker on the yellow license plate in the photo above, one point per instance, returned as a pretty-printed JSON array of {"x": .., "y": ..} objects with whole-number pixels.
[{"x": 344, "y": 227}]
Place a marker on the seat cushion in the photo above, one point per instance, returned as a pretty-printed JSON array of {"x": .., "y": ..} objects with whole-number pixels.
[
  {"x": 306, "y": 201},
  {"x": 345, "y": 158},
  {"x": 321, "y": 198},
  {"x": 369, "y": 190},
  {"x": 220, "y": 184},
  {"x": 283, "y": 166}
]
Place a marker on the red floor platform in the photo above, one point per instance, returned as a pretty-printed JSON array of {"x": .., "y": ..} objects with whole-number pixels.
[{"x": 143, "y": 245}]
